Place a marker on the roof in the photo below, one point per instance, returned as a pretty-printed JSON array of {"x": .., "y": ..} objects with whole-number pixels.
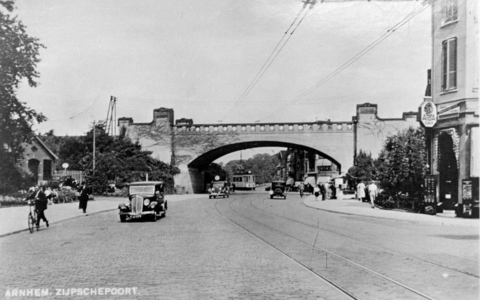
[
  {"x": 145, "y": 182},
  {"x": 46, "y": 148}
]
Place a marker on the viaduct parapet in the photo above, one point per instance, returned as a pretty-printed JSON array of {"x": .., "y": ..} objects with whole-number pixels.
[{"x": 192, "y": 147}]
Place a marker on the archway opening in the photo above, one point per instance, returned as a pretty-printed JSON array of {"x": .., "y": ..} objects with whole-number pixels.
[
  {"x": 295, "y": 162},
  {"x": 448, "y": 170}
]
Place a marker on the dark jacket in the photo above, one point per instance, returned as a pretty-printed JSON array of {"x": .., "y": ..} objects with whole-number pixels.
[{"x": 41, "y": 200}]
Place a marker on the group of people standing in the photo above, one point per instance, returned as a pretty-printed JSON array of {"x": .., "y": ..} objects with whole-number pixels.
[
  {"x": 327, "y": 190},
  {"x": 370, "y": 190}
]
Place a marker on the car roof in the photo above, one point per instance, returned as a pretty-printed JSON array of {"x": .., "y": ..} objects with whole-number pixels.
[
  {"x": 278, "y": 181},
  {"x": 146, "y": 183}
]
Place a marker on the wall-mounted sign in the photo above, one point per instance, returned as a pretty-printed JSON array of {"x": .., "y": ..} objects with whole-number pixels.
[
  {"x": 428, "y": 113},
  {"x": 448, "y": 110},
  {"x": 467, "y": 189},
  {"x": 324, "y": 168}
]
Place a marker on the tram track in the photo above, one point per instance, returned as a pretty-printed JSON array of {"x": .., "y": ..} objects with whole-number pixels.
[
  {"x": 340, "y": 278},
  {"x": 370, "y": 244}
]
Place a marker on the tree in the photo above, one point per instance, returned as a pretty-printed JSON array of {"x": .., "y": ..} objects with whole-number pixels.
[
  {"x": 363, "y": 169},
  {"x": 263, "y": 166},
  {"x": 116, "y": 159},
  {"x": 401, "y": 164},
  {"x": 215, "y": 170},
  {"x": 19, "y": 56}
]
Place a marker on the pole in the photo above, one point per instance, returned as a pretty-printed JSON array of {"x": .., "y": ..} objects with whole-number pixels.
[{"x": 94, "y": 129}]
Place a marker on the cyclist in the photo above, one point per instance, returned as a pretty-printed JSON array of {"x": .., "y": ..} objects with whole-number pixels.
[{"x": 41, "y": 203}]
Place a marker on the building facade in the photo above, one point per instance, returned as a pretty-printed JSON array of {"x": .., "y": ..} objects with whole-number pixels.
[
  {"x": 39, "y": 160},
  {"x": 453, "y": 140}
]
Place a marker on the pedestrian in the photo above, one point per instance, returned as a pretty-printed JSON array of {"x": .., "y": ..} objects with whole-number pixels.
[
  {"x": 233, "y": 187},
  {"x": 322, "y": 191},
  {"x": 326, "y": 187},
  {"x": 301, "y": 188},
  {"x": 316, "y": 192},
  {"x": 372, "y": 192},
  {"x": 360, "y": 191},
  {"x": 41, "y": 202},
  {"x": 334, "y": 190},
  {"x": 83, "y": 198}
]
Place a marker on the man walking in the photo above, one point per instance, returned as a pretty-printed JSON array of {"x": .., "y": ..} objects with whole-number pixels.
[
  {"x": 372, "y": 192},
  {"x": 41, "y": 203}
]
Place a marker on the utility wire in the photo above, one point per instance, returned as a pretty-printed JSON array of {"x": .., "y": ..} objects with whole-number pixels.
[
  {"x": 270, "y": 60},
  {"x": 372, "y": 45}
]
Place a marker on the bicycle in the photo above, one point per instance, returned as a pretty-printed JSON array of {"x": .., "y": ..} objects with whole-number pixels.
[{"x": 32, "y": 217}]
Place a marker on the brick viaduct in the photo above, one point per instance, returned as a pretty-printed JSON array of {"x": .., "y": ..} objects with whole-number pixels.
[{"x": 192, "y": 147}]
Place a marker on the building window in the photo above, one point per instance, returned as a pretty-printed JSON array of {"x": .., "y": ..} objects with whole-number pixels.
[
  {"x": 47, "y": 169},
  {"x": 450, "y": 11},
  {"x": 449, "y": 64}
]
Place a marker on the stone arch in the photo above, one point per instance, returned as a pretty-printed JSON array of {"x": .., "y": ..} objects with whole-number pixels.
[
  {"x": 194, "y": 180},
  {"x": 206, "y": 158}
]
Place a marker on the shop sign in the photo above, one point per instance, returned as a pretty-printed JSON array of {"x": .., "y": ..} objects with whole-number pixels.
[
  {"x": 324, "y": 168},
  {"x": 467, "y": 189},
  {"x": 448, "y": 110},
  {"x": 428, "y": 113}
]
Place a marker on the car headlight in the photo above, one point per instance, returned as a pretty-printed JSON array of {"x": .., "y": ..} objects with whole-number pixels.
[
  {"x": 127, "y": 203},
  {"x": 146, "y": 202},
  {"x": 271, "y": 192}
]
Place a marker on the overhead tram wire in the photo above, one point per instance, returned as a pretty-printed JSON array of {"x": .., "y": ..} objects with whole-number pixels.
[
  {"x": 372, "y": 45},
  {"x": 270, "y": 60}
]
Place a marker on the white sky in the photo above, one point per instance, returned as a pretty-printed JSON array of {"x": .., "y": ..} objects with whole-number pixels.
[{"x": 198, "y": 57}]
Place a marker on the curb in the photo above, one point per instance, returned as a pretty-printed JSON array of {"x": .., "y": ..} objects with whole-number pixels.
[{"x": 56, "y": 222}]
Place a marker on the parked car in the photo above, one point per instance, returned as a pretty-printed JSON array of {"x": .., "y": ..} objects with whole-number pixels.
[
  {"x": 145, "y": 199},
  {"x": 219, "y": 189},
  {"x": 278, "y": 189}
]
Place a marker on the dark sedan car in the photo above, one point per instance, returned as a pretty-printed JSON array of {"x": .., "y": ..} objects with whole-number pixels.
[{"x": 145, "y": 199}]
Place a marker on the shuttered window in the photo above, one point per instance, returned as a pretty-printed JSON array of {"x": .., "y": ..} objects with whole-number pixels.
[{"x": 449, "y": 64}]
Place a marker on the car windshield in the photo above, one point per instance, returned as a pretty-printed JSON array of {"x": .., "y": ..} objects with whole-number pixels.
[{"x": 142, "y": 189}]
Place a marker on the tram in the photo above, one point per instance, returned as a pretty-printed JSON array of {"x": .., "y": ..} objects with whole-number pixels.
[{"x": 244, "y": 181}]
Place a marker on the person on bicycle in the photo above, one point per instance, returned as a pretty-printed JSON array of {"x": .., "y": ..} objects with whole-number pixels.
[{"x": 41, "y": 203}]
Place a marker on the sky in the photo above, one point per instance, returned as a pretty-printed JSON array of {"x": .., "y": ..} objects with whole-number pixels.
[{"x": 199, "y": 57}]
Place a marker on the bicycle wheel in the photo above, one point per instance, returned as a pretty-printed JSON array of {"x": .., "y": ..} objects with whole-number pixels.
[{"x": 31, "y": 222}]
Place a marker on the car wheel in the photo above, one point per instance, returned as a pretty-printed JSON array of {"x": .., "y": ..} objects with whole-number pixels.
[
  {"x": 123, "y": 218},
  {"x": 285, "y": 197},
  {"x": 271, "y": 197},
  {"x": 209, "y": 197},
  {"x": 154, "y": 217}
]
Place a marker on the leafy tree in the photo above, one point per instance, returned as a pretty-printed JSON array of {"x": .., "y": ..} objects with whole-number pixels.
[
  {"x": 116, "y": 159},
  {"x": 214, "y": 170},
  {"x": 363, "y": 169},
  {"x": 402, "y": 163},
  {"x": 19, "y": 56},
  {"x": 263, "y": 166}
]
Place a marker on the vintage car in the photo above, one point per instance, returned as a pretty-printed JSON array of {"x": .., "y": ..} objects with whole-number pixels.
[
  {"x": 219, "y": 189},
  {"x": 278, "y": 189},
  {"x": 145, "y": 199}
]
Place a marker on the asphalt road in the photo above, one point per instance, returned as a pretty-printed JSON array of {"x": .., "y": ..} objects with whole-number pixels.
[{"x": 244, "y": 247}]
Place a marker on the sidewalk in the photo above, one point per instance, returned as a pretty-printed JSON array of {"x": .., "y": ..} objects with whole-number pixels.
[
  {"x": 14, "y": 219},
  {"x": 355, "y": 207}
]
